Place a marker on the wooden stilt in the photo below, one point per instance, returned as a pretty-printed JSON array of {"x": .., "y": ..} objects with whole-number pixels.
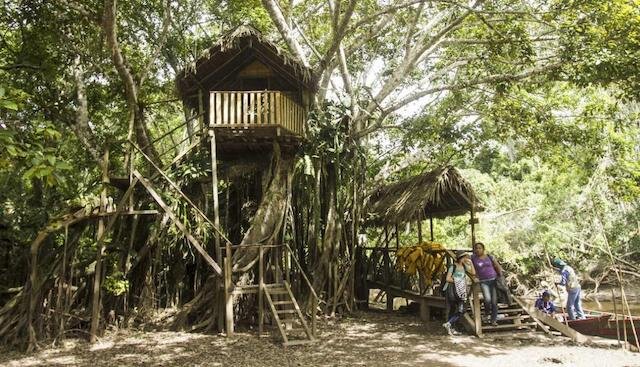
[
  {"x": 96, "y": 303},
  {"x": 228, "y": 297},
  {"x": 419, "y": 222},
  {"x": 387, "y": 271},
  {"x": 431, "y": 227},
  {"x": 397, "y": 237},
  {"x": 261, "y": 292},
  {"x": 473, "y": 221},
  {"x": 216, "y": 215}
]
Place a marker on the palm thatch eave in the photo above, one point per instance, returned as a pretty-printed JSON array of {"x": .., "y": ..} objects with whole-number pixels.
[{"x": 440, "y": 193}]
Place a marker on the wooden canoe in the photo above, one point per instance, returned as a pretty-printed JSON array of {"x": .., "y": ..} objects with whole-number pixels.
[{"x": 604, "y": 325}]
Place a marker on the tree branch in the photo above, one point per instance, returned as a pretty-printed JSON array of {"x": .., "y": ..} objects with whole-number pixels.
[
  {"x": 166, "y": 23},
  {"x": 339, "y": 32},
  {"x": 275, "y": 13},
  {"x": 490, "y": 79},
  {"x": 81, "y": 126}
]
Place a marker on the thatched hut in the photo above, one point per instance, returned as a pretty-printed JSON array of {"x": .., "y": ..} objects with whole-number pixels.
[{"x": 439, "y": 193}]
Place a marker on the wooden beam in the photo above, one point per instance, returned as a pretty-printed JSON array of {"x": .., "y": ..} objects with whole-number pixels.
[
  {"x": 177, "y": 188},
  {"x": 552, "y": 322},
  {"x": 195, "y": 243}
]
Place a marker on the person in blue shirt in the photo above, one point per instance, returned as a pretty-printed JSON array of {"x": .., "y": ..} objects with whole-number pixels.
[
  {"x": 545, "y": 304},
  {"x": 572, "y": 283}
]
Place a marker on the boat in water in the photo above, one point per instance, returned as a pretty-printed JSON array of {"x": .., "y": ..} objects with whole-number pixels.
[{"x": 604, "y": 324}]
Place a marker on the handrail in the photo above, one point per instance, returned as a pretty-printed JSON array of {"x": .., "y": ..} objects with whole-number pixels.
[
  {"x": 313, "y": 291},
  {"x": 184, "y": 196}
]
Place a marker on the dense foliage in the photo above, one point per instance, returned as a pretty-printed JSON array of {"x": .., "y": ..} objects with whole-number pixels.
[{"x": 536, "y": 101}]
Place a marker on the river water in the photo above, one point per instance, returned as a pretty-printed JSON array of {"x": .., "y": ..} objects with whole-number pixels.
[{"x": 607, "y": 306}]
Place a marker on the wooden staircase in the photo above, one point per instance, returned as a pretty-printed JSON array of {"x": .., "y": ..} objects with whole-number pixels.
[
  {"x": 287, "y": 315},
  {"x": 511, "y": 318}
]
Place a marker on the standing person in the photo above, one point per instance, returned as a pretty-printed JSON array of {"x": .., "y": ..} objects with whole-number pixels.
[
  {"x": 456, "y": 278},
  {"x": 487, "y": 269},
  {"x": 572, "y": 283}
]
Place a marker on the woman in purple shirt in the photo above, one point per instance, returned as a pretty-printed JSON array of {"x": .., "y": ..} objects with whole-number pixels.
[{"x": 487, "y": 270}]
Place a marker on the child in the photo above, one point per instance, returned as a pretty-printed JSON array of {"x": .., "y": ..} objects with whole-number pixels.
[{"x": 545, "y": 304}]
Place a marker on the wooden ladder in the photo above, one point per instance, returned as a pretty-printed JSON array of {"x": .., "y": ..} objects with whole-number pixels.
[{"x": 287, "y": 315}]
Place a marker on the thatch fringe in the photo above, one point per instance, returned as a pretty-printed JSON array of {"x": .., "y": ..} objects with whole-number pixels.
[
  {"x": 439, "y": 193},
  {"x": 232, "y": 40}
]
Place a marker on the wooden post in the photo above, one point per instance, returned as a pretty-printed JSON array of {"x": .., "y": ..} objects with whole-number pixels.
[
  {"x": 431, "y": 227},
  {"x": 615, "y": 312},
  {"x": 477, "y": 316},
  {"x": 387, "y": 274},
  {"x": 216, "y": 216},
  {"x": 96, "y": 303},
  {"x": 228, "y": 295},
  {"x": 397, "y": 237},
  {"x": 473, "y": 227},
  {"x": 313, "y": 315},
  {"x": 425, "y": 311},
  {"x": 419, "y": 230},
  {"x": 201, "y": 110},
  {"x": 261, "y": 292},
  {"x": 214, "y": 187}
]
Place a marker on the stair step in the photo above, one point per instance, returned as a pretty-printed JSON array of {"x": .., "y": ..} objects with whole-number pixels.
[
  {"x": 286, "y": 311},
  {"x": 289, "y": 320},
  {"x": 515, "y": 317},
  {"x": 277, "y": 291},
  {"x": 508, "y": 326},
  {"x": 282, "y": 303}
]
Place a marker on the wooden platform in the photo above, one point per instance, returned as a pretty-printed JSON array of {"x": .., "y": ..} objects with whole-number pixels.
[{"x": 234, "y": 140}]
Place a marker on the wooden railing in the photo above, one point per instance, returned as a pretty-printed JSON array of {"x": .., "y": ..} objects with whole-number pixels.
[{"x": 256, "y": 108}]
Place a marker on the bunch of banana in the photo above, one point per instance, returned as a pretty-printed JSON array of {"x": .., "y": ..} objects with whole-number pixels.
[{"x": 421, "y": 258}]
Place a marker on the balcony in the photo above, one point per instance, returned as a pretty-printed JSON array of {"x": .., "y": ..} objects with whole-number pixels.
[{"x": 260, "y": 112}]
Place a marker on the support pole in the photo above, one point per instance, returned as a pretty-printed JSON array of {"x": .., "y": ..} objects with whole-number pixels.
[
  {"x": 214, "y": 187},
  {"x": 201, "y": 110},
  {"x": 431, "y": 227},
  {"x": 216, "y": 215},
  {"x": 387, "y": 274},
  {"x": 228, "y": 292},
  {"x": 419, "y": 230},
  {"x": 261, "y": 292},
  {"x": 473, "y": 221},
  {"x": 615, "y": 312},
  {"x": 96, "y": 303}
]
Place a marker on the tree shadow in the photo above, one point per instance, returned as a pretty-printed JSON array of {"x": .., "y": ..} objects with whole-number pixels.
[{"x": 365, "y": 338}]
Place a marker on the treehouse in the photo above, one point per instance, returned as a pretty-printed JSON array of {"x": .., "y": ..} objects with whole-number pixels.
[
  {"x": 252, "y": 100},
  {"x": 249, "y": 93}
]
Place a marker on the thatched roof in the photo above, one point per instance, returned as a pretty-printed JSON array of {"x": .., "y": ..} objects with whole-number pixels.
[
  {"x": 236, "y": 50},
  {"x": 440, "y": 193}
]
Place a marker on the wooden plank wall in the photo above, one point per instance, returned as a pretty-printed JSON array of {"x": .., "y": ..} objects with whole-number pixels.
[{"x": 256, "y": 108}]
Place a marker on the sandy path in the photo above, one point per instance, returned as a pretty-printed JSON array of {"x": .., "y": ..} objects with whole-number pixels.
[{"x": 366, "y": 339}]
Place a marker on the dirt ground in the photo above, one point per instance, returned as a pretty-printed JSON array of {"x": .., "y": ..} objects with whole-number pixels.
[{"x": 364, "y": 339}]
